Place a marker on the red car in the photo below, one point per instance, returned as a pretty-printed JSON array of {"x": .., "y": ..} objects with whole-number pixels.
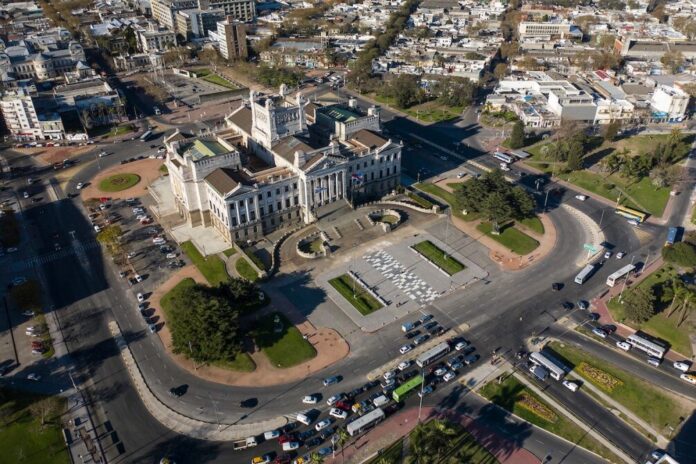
[
  {"x": 288, "y": 437},
  {"x": 343, "y": 405}
]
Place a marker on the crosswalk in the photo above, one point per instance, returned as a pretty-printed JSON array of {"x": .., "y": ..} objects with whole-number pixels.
[
  {"x": 78, "y": 249},
  {"x": 412, "y": 285}
]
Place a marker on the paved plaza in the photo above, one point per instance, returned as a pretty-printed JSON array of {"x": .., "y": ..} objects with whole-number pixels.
[{"x": 400, "y": 276}]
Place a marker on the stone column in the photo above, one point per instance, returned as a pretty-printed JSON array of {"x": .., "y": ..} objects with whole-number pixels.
[{"x": 236, "y": 209}]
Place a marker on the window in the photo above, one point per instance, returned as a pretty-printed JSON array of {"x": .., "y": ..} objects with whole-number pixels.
[
  {"x": 372, "y": 162},
  {"x": 350, "y": 168},
  {"x": 243, "y": 218},
  {"x": 372, "y": 176},
  {"x": 260, "y": 196},
  {"x": 236, "y": 235},
  {"x": 365, "y": 164},
  {"x": 268, "y": 194},
  {"x": 261, "y": 210},
  {"x": 234, "y": 221},
  {"x": 277, "y": 191},
  {"x": 270, "y": 209},
  {"x": 280, "y": 205},
  {"x": 296, "y": 200},
  {"x": 272, "y": 221},
  {"x": 294, "y": 186},
  {"x": 252, "y": 215},
  {"x": 287, "y": 187},
  {"x": 254, "y": 229},
  {"x": 380, "y": 173},
  {"x": 287, "y": 202}
]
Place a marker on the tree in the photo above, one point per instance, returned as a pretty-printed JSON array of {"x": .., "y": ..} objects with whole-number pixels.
[
  {"x": 523, "y": 203},
  {"x": 673, "y": 60},
  {"x": 687, "y": 306},
  {"x": 611, "y": 130},
  {"x": 44, "y": 408},
  {"x": 574, "y": 160},
  {"x": 686, "y": 25},
  {"x": 681, "y": 254},
  {"x": 405, "y": 89},
  {"x": 639, "y": 304},
  {"x": 500, "y": 70},
  {"x": 431, "y": 442},
  {"x": 110, "y": 237},
  {"x": 517, "y": 137},
  {"x": 454, "y": 91},
  {"x": 664, "y": 175},
  {"x": 497, "y": 209},
  {"x": 509, "y": 49}
]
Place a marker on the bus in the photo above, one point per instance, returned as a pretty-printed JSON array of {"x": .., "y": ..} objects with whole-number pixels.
[
  {"x": 145, "y": 136},
  {"x": 503, "y": 157},
  {"x": 408, "y": 387},
  {"x": 621, "y": 273},
  {"x": 671, "y": 236},
  {"x": 650, "y": 347},
  {"x": 365, "y": 422},
  {"x": 630, "y": 213},
  {"x": 556, "y": 369},
  {"x": 584, "y": 274},
  {"x": 433, "y": 354}
]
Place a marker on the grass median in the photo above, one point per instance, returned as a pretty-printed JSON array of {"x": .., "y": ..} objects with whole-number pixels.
[
  {"x": 515, "y": 397},
  {"x": 513, "y": 239},
  {"x": 284, "y": 347},
  {"x": 212, "y": 267},
  {"x": 355, "y": 294},
  {"x": 118, "y": 182},
  {"x": 437, "y": 256},
  {"x": 656, "y": 407},
  {"x": 245, "y": 270},
  {"x": 449, "y": 198}
]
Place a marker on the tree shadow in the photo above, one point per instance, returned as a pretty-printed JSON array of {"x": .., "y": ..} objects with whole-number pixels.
[{"x": 683, "y": 446}]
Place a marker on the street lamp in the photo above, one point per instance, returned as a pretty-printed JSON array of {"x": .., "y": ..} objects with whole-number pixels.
[
  {"x": 623, "y": 287},
  {"x": 420, "y": 402}
]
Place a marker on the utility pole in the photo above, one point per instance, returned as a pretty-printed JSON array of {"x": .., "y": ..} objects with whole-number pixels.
[
  {"x": 623, "y": 287},
  {"x": 420, "y": 402}
]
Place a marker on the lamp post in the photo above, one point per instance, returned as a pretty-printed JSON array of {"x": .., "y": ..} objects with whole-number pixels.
[{"x": 623, "y": 287}]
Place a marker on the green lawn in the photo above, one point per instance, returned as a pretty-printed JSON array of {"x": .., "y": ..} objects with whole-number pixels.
[
  {"x": 515, "y": 240},
  {"x": 419, "y": 200},
  {"x": 118, "y": 182},
  {"x": 660, "y": 325},
  {"x": 212, "y": 267},
  {"x": 534, "y": 224},
  {"x": 449, "y": 198},
  {"x": 111, "y": 131},
  {"x": 286, "y": 348},
  {"x": 165, "y": 300},
  {"x": 363, "y": 301},
  {"x": 22, "y": 439},
  {"x": 241, "y": 363},
  {"x": 202, "y": 72},
  {"x": 430, "y": 111},
  {"x": 315, "y": 246},
  {"x": 245, "y": 270},
  {"x": 431, "y": 251},
  {"x": 229, "y": 252},
  {"x": 508, "y": 395},
  {"x": 218, "y": 80},
  {"x": 646, "y": 401},
  {"x": 255, "y": 259},
  {"x": 388, "y": 218}
]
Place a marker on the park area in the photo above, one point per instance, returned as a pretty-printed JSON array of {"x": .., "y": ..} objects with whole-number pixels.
[
  {"x": 665, "y": 323},
  {"x": 281, "y": 341},
  {"x": 515, "y": 397},
  {"x": 245, "y": 270},
  {"x": 438, "y": 257},
  {"x": 511, "y": 238},
  {"x": 212, "y": 267},
  {"x": 118, "y": 182},
  {"x": 355, "y": 294},
  {"x": 657, "y": 407},
  {"x": 31, "y": 431},
  {"x": 639, "y": 169}
]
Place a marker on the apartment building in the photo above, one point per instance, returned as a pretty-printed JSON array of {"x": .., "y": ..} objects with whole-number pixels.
[
  {"x": 232, "y": 41},
  {"x": 165, "y": 11}
]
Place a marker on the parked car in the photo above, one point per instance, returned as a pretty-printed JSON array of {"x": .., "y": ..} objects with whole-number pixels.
[
  {"x": 338, "y": 413},
  {"x": 310, "y": 399},
  {"x": 322, "y": 424},
  {"x": 461, "y": 345},
  {"x": 599, "y": 332},
  {"x": 582, "y": 304},
  {"x": 572, "y": 386},
  {"x": 403, "y": 365},
  {"x": 620, "y": 255}
]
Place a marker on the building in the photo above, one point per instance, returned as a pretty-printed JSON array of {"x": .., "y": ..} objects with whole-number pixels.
[
  {"x": 546, "y": 29},
  {"x": 232, "y": 39},
  {"x": 165, "y": 11},
  {"x": 155, "y": 40},
  {"x": 23, "y": 62},
  {"x": 138, "y": 61},
  {"x": 669, "y": 103},
  {"x": 270, "y": 168},
  {"x": 20, "y": 116},
  {"x": 197, "y": 23}
]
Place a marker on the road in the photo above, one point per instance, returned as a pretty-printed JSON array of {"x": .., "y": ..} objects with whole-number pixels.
[{"x": 508, "y": 318}]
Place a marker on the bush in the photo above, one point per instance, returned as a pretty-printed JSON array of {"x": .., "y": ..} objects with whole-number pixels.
[{"x": 681, "y": 254}]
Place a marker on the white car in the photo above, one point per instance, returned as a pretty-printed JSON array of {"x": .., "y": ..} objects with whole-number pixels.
[
  {"x": 405, "y": 349},
  {"x": 572, "y": 386},
  {"x": 634, "y": 222},
  {"x": 322, "y": 424},
  {"x": 138, "y": 278},
  {"x": 607, "y": 255},
  {"x": 34, "y": 377},
  {"x": 623, "y": 345},
  {"x": 152, "y": 328},
  {"x": 440, "y": 371},
  {"x": 159, "y": 241},
  {"x": 171, "y": 255},
  {"x": 310, "y": 399},
  {"x": 290, "y": 445},
  {"x": 461, "y": 345},
  {"x": 97, "y": 229},
  {"x": 681, "y": 366},
  {"x": 504, "y": 167},
  {"x": 449, "y": 376},
  {"x": 600, "y": 333},
  {"x": 689, "y": 378},
  {"x": 581, "y": 197},
  {"x": 460, "y": 175},
  {"x": 338, "y": 413},
  {"x": 389, "y": 375},
  {"x": 333, "y": 399},
  {"x": 271, "y": 435},
  {"x": 403, "y": 365},
  {"x": 140, "y": 297},
  {"x": 103, "y": 154},
  {"x": 79, "y": 186},
  {"x": 620, "y": 255}
]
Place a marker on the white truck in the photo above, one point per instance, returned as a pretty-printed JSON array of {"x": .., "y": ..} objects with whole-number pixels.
[{"x": 244, "y": 444}]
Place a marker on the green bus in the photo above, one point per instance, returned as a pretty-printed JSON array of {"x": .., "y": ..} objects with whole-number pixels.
[{"x": 401, "y": 392}]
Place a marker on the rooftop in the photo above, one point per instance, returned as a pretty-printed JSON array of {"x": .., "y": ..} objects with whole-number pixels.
[
  {"x": 205, "y": 149},
  {"x": 340, "y": 113}
]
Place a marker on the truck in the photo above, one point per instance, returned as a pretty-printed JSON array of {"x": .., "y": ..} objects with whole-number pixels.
[{"x": 244, "y": 444}]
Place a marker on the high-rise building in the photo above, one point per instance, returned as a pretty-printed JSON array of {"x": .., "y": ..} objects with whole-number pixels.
[
  {"x": 165, "y": 11},
  {"x": 232, "y": 36}
]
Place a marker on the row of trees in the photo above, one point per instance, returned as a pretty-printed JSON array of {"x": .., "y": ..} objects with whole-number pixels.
[
  {"x": 496, "y": 198},
  {"x": 204, "y": 321},
  {"x": 407, "y": 90}
]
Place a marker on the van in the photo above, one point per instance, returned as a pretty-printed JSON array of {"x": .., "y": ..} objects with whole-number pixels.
[
  {"x": 381, "y": 400},
  {"x": 406, "y": 327},
  {"x": 539, "y": 372},
  {"x": 653, "y": 361},
  {"x": 303, "y": 418}
]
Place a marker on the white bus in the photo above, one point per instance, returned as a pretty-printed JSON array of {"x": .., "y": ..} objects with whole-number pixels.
[
  {"x": 145, "y": 136},
  {"x": 643, "y": 344},
  {"x": 584, "y": 274},
  {"x": 432, "y": 354},
  {"x": 503, "y": 157},
  {"x": 556, "y": 368},
  {"x": 623, "y": 272},
  {"x": 366, "y": 422}
]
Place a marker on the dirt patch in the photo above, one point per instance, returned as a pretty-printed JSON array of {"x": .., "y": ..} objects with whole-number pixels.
[
  {"x": 147, "y": 169},
  {"x": 330, "y": 346},
  {"x": 52, "y": 155}
]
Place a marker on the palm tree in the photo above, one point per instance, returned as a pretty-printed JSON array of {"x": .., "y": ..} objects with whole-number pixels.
[
  {"x": 688, "y": 305},
  {"x": 430, "y": 442},
  {"x": 678, "y": 289},
  {"x": 343, "y": 437},
  {"x": 316, "y": 458}
]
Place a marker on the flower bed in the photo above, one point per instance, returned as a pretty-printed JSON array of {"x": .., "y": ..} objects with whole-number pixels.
[
  {"x": 602, "y": 379},
  {"x": 534, "y": 406}
]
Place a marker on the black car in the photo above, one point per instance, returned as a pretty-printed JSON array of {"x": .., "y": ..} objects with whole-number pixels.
[
  {"x": 312, "y": 442},
  {"x": 370, "y": 385},
  {"x": 355, "y": 392},
  {"x": 556, "y": 286},
  {"x": 408, "y": 375},
  {"x": 430, "y": 325},
  {"x": 413, "y": 333},
  {"x": 421, "y": 339},
  {"x": 177, "y": 391},
  {"x": 327, "y": 433},
  {"x": 567, "y": 305},
  {"x": 306, "y": 435},
  {"x": 439, "y": 330},
  {"x": 593, "y": 317}
]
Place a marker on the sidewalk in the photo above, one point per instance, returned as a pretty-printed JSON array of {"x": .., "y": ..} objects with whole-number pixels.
[
  {"x": 605, "y": 317},
  {"x": 399, "y": 425}
]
